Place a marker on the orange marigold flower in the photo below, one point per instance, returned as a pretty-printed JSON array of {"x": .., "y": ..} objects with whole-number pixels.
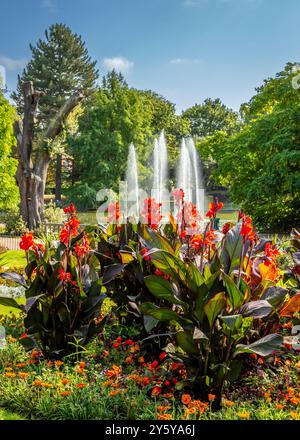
[
  {"x": 279, "y": 406},
  {"x": 294, "y": 415},
  {"x": 156, "y": 391},
  {"x": 65, "y": 381},
  {"x": 164, "y": 417},
  {"x": 211, "y": 397},
  {"x": 82, "y": 365},
  {"x": 58, "y": 363},
  {"x": 46, "y": 385},
  {"x": 65, "y": 393},
  {"x": 186, "y": 399},
  {"x": 20, "y": 365},
  {"x": 163, "y": 408},
  {"x": 10, "y": 375},
  {"x": 37, "y": 383},
  {"x": 23, "y": 375},
  {"x": 114, "y": 371},
  {"x": 114, "y": 393},
  {"x": 294, "y": 400},
  {"x": 81, "y": 385}
]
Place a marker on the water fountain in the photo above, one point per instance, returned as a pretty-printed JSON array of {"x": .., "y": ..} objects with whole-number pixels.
[
  {"x": 133, "y": 203},
  {"x": 189, "y": 176},
  {"x": 160, "y": 168}
]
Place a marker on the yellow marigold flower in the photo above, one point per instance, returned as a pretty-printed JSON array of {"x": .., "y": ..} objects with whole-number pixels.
[
  {"x": 164, "y": 417},
  {"x": 228, "y": 403},
  {"x": 190, "y": 410},
  {"x": 243, "y": 415},
  {"x": 294, "y": 415},
  {"x": 8, "y": 369}
]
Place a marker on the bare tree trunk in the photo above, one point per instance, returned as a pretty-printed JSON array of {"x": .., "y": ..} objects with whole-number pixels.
[
  {"x": 58, "y": 180},
  {"x": 31, "y": 177}
]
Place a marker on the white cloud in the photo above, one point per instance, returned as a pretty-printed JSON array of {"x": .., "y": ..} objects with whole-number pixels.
[
  {"x": 48, "y": 4},
  {"x": 11, "y": 64},
  {"x": 184, "y": 61},
  {"x": 120, "y": 64}
]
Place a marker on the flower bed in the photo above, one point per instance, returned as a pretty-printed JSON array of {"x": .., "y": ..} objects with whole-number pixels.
[{"x": 155, "y": 321}]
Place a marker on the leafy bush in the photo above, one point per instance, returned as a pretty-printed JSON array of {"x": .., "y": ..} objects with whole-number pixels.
[
  {"x": 14, "y": 223},
  {"x": 63, "y": 292},
  {"x": 54, "y": 214}
]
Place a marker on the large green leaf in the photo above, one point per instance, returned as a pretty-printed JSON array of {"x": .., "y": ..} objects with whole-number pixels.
[
  {"x": 153, "y": 239},
  {"x": 263, "y": 347},
  {"x": 15, "y": 277},
  {"x": 256, "y": 309},
  {"x": 232, "y": 248},
  {"x": 160, "y": 313},
  {"x": 233, "y": 322},
  {"x": 186, "y": 342},
  {"x": 161, "y": 288},
  {"x": 214, "y": 307},
  {"x": 112, "y": 272},
  {"x": 10, "y": 302},
  {"x": 275, "y": 296},
  {"x": 235, "y": 296}
]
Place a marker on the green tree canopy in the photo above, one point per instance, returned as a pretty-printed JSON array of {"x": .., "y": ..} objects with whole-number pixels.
[
  {"x": 261, "y": 163},
  {"x": 60, "y": 65},
  {"x": 9, "y": 196},
  {"x": 209, "y": 117},
  {"x": 113, "y": 118}
]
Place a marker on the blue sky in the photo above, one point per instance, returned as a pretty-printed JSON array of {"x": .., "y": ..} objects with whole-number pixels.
[{"x": 187, "y": 50}]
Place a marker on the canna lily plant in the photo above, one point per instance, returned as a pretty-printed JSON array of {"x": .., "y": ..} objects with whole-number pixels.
[
  {"x": 220, "y": 295},
  {"x": 63, "y": 291}
]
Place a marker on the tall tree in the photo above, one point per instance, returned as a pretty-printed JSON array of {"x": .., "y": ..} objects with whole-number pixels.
[
  {"x": 114, "y": 117},
  {"x": 9, "y": 196},
  {"x": 261, "y": 163},
  {"x": 62, "y": 72},
  {"x": 209, "y": 117}
]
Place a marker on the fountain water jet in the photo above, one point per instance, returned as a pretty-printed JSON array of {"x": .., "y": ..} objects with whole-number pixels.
[
  {"x": 189, "y": 176},
  {"x": 160, "y": 168},
  {"x": 133, "y": 204}
]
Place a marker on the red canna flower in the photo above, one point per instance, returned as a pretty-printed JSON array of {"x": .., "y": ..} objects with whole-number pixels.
[
  {"x": 70, "y": 209},
  {"x": 143, "y": 252},
  {"x": 226, "y": 228},
  {"x": 84, "y": 248},
  {"x": 64, "y": 276},
  {"x": 247, "y": 230},
  {"x": 178, "y": 196},
  {"x": 214, "y": 207},
  {"x": 113, "y": 213},
  {"x": 163, "y": 355},
  {"x": 27, "y": 242},
  {"x": 151, "y": 214}
]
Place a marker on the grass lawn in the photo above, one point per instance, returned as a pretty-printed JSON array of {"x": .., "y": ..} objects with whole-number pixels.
[
  {"x": 12, "y": 260},
  {"x": 5, "y": 415}
]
